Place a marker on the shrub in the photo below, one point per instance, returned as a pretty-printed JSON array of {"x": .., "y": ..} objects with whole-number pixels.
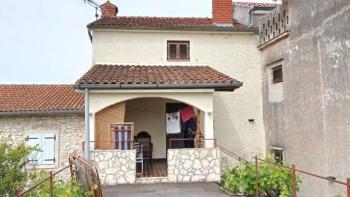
[
  {"x": 13, "y": 160},
  {"x": 273, "y": 179}
]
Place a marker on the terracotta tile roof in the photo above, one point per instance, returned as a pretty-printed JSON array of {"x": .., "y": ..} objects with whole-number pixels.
[
  {"x": 162, "y": 23},
  {"x": 37, "y": 98},
  {"x": 251, "y": 4},
  {"x": 154, "y": 77}
]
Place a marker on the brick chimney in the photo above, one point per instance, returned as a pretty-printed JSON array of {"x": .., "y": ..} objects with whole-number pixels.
[
  {"x": 108, "y": 9},
  {"x": 223, "y": 13}
]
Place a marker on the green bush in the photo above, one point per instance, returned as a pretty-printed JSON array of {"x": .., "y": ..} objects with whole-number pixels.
[
  {"x": 15, "y": 177},
  {"x": 13, "y": 161},
  {"x": 272, "y": 179}
]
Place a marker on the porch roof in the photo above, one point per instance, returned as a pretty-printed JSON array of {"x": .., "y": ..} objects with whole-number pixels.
[{"x": 103, "y": 76}]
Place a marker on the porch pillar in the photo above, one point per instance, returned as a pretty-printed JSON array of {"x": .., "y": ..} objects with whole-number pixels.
[
  {"x": 208, "y": 129},
  {"x": 87, "y": 125}
]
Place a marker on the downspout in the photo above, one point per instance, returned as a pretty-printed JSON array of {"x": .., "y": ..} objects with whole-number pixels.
[{"x": 87, "y": 125}]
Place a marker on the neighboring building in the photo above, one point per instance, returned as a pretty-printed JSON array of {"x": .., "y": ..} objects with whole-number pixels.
[
  {"x": 305, "y": 49},
  {"x": 48, "y": 115},
  {"x": 249, "y": 14}
]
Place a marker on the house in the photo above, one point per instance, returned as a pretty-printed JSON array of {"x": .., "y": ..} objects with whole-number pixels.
[
  {"x": 305, "y": 58},
  {"x": 51, "y": 116},
  {"x": 249, "y": 13},
  {"x": 145, "y": 68},
  {"x": 155, "y": 84}
]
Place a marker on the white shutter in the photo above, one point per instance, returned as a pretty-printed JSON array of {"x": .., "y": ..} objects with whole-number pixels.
[
  {"x": 34, "y": 140},
  {"x": 48, "y": 147}
]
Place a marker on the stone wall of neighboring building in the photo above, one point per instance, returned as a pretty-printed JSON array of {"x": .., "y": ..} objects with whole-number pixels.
[
  {"x": 193, "y": 165},
  {"x": 311, "y": 121},
  {"x": 69, "y": 131},
  {"x": 115, "y": 166}
]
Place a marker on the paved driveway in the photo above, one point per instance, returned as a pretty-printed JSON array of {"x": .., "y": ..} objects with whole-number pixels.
[{"x": 165, "y": 189}]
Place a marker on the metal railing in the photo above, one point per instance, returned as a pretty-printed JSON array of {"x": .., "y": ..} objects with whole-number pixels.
[
  {"x": 81, "y": 170},
  {"x": 293, "y": 170},
  {"x": 110, "y": 143},
  {"x": 203, "y": 140},
  {"x": 86, "y": 173},
  {"x": 50, "y": 178}
]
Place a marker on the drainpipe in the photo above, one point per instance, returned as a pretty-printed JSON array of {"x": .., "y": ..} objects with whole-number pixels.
[{"x": 87, "y": 124}]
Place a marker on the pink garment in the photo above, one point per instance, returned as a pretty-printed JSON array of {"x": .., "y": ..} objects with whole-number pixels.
[{"x": 186, "y": 113}]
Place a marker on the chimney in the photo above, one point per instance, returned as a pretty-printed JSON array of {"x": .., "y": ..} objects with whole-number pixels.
[
  {"x": 108, "y": 9},
  {"x": 223, "y": 13}
]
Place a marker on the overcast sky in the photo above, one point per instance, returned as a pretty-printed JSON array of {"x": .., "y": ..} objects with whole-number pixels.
[{"x": 46, "y": 41}]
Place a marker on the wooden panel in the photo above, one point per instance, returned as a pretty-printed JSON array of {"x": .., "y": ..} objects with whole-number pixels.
[{"x": 103, "y": 120}]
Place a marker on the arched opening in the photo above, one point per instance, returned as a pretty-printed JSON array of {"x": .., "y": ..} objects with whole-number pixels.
[{"x": 155, "y": 116}]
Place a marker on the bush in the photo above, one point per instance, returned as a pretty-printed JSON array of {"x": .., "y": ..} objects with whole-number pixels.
[
  {"x": 13, "y": 160},
  {"x": 273, "y": 180},
  {"x": 15, "y": 177}
]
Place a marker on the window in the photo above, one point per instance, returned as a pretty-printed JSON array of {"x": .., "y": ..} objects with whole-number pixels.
[
  {"x": 46, "y": 143},
  {"x": 277, "y": 152},
  {"x": 123, "y": 135},
  {"x": 277, "y": 74},
  {"x": 178, "y": 50}
]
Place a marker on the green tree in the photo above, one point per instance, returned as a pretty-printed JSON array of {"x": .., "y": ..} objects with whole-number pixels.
[{"x": 13, "y": 161}]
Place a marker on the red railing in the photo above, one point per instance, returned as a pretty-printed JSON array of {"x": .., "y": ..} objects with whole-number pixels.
[
  {"x": 50, "y": 179},
  {"x": 172, "y": 140},
  {"x": 104, "y": 142},
  {"x": 81, "y": 170},
  {"x": 293, "y": 169}
]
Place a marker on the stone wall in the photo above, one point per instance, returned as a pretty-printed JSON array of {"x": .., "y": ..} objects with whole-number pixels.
[
  {"x": 193, "y": 165},
  {"x": 311, "y": 124},
  {"x": 115, "y": 166},
  {"x": 69, "y": 130}
]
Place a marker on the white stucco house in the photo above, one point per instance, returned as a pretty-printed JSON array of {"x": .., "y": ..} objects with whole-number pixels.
[{"x": 176, "y": 87}]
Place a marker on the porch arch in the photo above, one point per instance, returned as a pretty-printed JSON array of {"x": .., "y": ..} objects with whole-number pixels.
[{"x": 202, "y": 100}]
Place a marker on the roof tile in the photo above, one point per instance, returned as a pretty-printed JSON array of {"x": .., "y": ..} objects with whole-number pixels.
[
  {"x": 29, "y": 98},
  {"x": 167, "y": 75},
  {"x": 159, "y": 22}
]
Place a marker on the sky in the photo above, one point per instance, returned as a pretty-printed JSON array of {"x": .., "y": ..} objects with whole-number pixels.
[{"x": 46, "y": 41}]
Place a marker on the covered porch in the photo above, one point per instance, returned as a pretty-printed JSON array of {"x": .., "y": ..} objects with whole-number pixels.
[{"x": 144, "y": 129}]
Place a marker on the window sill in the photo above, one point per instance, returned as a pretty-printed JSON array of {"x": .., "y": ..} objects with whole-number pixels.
[{"x": 182, "y": 60}]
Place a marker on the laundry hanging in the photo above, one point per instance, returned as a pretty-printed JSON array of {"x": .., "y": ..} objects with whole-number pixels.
[
  {"x": 187, "y": 113},
  {"x": 173, "y": 123}
]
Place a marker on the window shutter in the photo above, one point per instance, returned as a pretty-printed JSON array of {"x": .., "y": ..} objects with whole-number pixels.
[
  {"x": 277, "y": 74},
  {"x": 34, "y": 140},
  {"x": 48, "y": 146}
]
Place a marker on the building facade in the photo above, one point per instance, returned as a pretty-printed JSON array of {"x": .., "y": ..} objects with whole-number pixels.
[{"x": 304, "y": 48}]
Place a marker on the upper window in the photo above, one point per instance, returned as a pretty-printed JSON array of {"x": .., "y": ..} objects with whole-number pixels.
[
  {"x": 46, "y": 143},
  {"x": 178, "y": 50},
  {"x": 277, "y": 74}
]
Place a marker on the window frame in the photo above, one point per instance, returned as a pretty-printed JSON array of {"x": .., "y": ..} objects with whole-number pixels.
[
  {"x": 274, "y": 69},
  {"x": 278, "y": 154},
  {"x": 44, "y": 135},
  {"x": 178, "y": 43}
]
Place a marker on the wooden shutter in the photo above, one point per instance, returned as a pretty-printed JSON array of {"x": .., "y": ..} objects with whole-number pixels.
[
  {"x": 277, "y": 74},
  {"x": 48, "y": 147},
  {"x": 32, "y": 141},
  {"x": 104, "y": 138}
]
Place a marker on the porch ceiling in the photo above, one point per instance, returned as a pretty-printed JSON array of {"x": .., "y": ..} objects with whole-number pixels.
[{"x": 156, "y": 77}]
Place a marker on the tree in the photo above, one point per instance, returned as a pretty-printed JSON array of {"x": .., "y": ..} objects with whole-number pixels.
[{"x": 13, "y": 161}]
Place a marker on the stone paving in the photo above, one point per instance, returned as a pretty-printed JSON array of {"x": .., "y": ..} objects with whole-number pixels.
[{"x": 165, "y": 189}]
